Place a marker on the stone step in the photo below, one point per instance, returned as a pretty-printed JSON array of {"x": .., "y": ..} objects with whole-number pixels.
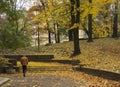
[
  {"x": 30, "y": 57},
  {"x": 49, "y": 68},
  {"x": 3, "y": 80}
]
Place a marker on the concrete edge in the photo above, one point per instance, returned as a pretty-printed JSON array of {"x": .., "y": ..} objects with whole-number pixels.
[{"x": 3, "y": 80}]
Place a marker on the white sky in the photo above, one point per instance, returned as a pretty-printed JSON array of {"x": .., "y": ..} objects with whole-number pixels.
[{"x": 25, "y": 3}]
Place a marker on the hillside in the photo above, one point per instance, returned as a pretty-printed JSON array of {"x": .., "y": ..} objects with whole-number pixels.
[
  {"x": 103, "y": 54},
  {"x": 100, "y": 60}
]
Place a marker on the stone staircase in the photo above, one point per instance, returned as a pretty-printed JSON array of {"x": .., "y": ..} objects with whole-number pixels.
[
  {"x": 49, "y": 68},
  {"x": 64, "y": 65}
]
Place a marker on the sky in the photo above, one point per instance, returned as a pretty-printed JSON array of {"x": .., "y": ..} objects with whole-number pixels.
[{"x": 25, "y": 3}]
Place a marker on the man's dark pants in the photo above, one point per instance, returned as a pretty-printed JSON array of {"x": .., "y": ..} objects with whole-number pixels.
[{"x": 24, "y": 67}]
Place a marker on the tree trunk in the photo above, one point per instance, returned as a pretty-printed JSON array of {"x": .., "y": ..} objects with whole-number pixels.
[
  {"x": 38, "y": 39},
  {"x": 70, "y": 32},
  {"x": 76, "y": 30},
  {"x": 70, "y": 35},
  {"x": 85, "y": 30},
  {"x": 90, "y": 26},
  {"x": 76, "y": 42},
  {"x": 58, "y": 33},
  {"x": 49, "y": 36},
  {"x": 115, "y": 22},
  {"x": 56, "y": 41},
  {"x": 49, "y": 33},
  {"x": 58, "y": 36},
  {"x": 115, "y": 26}
]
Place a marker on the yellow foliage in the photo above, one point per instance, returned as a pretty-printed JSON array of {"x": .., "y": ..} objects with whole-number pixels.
[
  {"x": 41, "y": 64},
  {"x": 34, "y": 8},
  {"x": 94, "y": 7},
  {"x": 50, "y": 4},
  {"x": 74, "y": 26},
  {"x": 102, "y": 30},
  {"x": 59, "y": 11}
]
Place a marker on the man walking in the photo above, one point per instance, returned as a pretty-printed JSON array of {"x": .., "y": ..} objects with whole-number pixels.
[{"x": 24, "y": 62}]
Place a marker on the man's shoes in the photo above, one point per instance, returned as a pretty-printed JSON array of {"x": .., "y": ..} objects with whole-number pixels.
[{"x": 24, "y": 74}]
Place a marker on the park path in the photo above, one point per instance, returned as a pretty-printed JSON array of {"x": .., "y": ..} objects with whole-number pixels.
[{"x": 41, "y": 80}]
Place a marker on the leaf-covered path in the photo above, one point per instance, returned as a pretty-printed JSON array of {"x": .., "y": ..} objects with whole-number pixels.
[
  {"x": 63, "y": 79},
  {"x": 41, "y": 80}
]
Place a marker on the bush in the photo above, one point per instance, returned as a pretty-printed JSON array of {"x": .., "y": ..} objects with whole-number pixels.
[
  {"x": 3, "y": 62},
  {"x": 9, "y": 39}
]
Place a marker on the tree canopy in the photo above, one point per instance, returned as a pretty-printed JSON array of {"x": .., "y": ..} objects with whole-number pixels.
[
  {"x": 54, "y": 15},
  {"x": 13, "y": 28}
]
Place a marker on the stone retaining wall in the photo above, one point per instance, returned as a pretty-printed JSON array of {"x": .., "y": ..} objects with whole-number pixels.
[{"x": 30, "y": 57}]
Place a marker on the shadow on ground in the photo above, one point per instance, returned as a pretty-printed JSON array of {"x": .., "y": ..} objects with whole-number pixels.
[{"x": 101, "y": 73}]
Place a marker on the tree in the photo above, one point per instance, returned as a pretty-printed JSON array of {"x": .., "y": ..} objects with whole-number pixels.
[
  {"x": 44, "y": 5},
  {"x": 70, "y": 32},
  {"x": 115, "y": 21},
  {"x": 14, "y": 33},
  {"x": 72, "y": 14},
  {"x": 75, "y": 20},
  {"x": 53, "y": 13},
  {"x": 41, "y": 7},
  {"x": 90, "y": 25},
  {"x": 100, "y": 17}
]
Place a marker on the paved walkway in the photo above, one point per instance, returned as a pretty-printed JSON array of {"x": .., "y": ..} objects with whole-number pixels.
[{"x": 40, "y": 80}]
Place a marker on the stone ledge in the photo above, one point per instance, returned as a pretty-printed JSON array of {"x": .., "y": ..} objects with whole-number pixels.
[
  {"x": 50, "y": 68},
  {"x": 3, "y": 80},
  {"x": 31, "y": 57}
]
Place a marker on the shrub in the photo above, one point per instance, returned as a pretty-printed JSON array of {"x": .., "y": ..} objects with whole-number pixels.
[
  {"x": 9, "y": 39},
  {"x": 3, "y": 61}
]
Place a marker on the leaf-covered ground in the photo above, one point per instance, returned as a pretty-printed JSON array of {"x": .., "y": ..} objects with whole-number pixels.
[
  {"x": 100, "y": 61},
  {"x": 102, "y": 54},
  {"x": 58, "y": 79},
  {"x": 30, "y": 64}
]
